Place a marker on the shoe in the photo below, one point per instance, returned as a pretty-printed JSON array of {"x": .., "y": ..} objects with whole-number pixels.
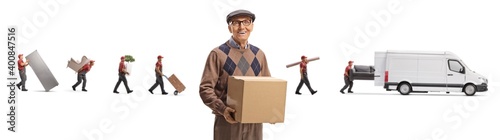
[
  {"x": 164, "y": 93},
  {"x": 84, "y": 90},
  {"x": 18, "y": 86},
  {"x": 73, "y": 88},
  {"x": 151, "y": 91},
  {"x": 116, "y": 92},
  {"x": 342, "y": 92},
  {"x": 24, "y": 90},
  {"x": 128, "y": 92},
  {"x": 298, "y": 93},
  {"x": 349, "y": 92},
  {"x": 314, "y": 92}
]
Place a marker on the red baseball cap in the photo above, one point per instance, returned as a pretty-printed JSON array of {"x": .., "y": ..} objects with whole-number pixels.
[
  {"x": 351, "y": 61},
  {"x": 159, "y": 56},
  {"x": 92, "y": 61},
  {"x": 123, "y": 57},
  {"x": 303, "y": 57},
  {"x": 19, "y": 56}
]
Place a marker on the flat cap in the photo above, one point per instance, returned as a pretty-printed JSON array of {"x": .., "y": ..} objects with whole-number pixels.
[{"x": 240, "y": 12}]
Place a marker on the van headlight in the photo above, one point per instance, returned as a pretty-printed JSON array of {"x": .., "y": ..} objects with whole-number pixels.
[{"x": 483, "y": 79}]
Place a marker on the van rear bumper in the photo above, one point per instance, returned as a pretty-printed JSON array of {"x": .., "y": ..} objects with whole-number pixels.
[{"x": 482, "y": 87}]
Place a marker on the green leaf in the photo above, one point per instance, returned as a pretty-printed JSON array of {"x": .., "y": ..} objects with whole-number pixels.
[{"x": 129, "y": 58}]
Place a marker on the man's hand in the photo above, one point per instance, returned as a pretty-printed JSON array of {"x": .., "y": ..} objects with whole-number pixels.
[{"x": 227, "y": 115}]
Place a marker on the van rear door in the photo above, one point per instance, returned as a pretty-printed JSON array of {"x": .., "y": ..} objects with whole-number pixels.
[{"x": 380, "y": 63}]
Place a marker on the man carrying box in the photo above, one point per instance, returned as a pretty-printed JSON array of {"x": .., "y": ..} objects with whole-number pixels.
[{"x": 236, "y": 57}]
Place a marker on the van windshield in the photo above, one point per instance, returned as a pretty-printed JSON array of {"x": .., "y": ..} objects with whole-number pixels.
[{"x": 464, "y": 65}]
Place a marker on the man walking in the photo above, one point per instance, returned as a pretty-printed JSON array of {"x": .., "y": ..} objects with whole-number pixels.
[
  {"x": 159, "y": 77},
  {"x": 21, "y": 66},
  {"x": 122, "y": 70},
  {"x": 303, "y": 77},
  {"x": 235, "y": 57},
  {"x": 82, "y": 72},
  {"x": 348, "y": 78}
]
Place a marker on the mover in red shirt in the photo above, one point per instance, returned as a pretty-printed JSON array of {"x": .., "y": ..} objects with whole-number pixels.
[
  {"x": 21, "y": 66},
  {"x": 347, "y": 78},
  {"x": 303, "y": 77},
  {"x": 122, "y": 70},
  {"x": 159, "y": 77},
  {"x": 82, "y": 72}
]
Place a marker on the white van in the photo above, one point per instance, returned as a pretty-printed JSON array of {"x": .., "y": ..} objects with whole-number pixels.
[{"x": 411, "y": 71}]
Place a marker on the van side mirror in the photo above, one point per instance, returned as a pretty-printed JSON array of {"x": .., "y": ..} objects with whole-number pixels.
[{"x": 462, "y": 70}]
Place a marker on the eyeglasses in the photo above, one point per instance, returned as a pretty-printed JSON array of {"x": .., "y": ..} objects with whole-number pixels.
[{"x": 238, "y": 23}]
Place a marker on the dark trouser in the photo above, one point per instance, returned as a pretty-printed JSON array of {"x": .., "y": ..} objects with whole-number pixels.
[
  {"x": 348, "y": 83},
  {"x": 303, "y": 81},
  {"x": 159, "y": 81},
  {"x": 22, "y": 74},
  {"x": 121, "y": 77},
  {"x": 80, "y": 78},
  {"x": 238, "y": 131}
]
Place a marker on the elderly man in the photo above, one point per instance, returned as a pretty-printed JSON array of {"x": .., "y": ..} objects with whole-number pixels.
[{"x": 235, "y": 57}]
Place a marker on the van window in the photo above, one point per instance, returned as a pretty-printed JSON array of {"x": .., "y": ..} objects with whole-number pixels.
[{"x": 455, "y": 66}]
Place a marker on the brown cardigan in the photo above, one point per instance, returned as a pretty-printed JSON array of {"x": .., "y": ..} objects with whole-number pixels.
[{"x": 225, "y": 61}]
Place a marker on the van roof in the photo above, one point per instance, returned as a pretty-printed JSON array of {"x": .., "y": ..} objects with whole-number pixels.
[{"x": 419, "y": 52}]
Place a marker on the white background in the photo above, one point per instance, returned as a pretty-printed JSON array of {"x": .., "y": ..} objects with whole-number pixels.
[{"x": 185, "y": 31}]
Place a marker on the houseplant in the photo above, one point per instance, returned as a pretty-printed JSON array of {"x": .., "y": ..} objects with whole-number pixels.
[{"x": 129, "y": 59}]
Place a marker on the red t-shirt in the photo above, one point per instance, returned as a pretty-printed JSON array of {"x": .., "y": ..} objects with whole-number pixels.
[
  {"x": 158, "y": 64},
  {"x": 347, "y": 69},
  {"x": 86, "y": 68},
  {"x": 303, "y": 67},
  {"x": 122, "y": 66},
  {"x": 19, "y": 64}
]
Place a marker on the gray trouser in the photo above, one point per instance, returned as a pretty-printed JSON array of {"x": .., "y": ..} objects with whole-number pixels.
[
  {"x": 121, "y": 77},
  {"x": 81, "y": 76},
  {"x": 303, "y": 81},
  {"x": 159, "y": 81},
  {"x": 226, "y": 131},
  {"x": 348, "y": 83},
  {"x": 22, "y": 74}
]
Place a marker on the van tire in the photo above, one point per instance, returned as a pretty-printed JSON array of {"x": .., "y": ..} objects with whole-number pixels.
[
  {"x": 470, "y": 89},
  {"x": 404, "y": 88}
]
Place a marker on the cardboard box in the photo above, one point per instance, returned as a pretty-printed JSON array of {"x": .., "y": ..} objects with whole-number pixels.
[
  {"x": 257, "y": 99},
  {"x": 176, "y": 83}
]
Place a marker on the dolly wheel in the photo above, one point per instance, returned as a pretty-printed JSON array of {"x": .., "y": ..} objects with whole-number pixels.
[{"x": 176, "y": 92}]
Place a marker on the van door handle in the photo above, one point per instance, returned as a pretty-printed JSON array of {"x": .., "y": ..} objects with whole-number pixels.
[{"x": 450, "y": 74}]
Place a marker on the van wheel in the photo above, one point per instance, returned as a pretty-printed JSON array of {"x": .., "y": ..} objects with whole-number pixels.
[
  {"x": 470, "y": 89},
  {"x": 404, "y": 88}
]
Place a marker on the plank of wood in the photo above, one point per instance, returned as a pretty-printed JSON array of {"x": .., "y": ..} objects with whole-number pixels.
[{"x": 296, "y": 63}]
